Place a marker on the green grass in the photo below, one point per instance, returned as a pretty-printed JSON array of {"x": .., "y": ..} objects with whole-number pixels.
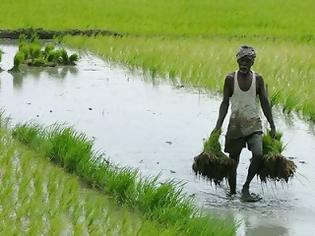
[
  {"x": 162, "y": 202},
  {"x": 38, "y": 197},
  {"x": 262, "y": 18}
]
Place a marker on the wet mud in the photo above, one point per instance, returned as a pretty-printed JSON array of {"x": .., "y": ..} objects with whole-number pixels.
[{"x": 158, "y": 127}]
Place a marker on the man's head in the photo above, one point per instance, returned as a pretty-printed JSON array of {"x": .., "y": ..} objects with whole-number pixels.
[{"x": 245, "y": 58}]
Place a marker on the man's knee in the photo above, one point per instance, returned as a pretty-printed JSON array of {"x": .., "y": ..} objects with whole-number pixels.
[{"x": 255, "y": 146}]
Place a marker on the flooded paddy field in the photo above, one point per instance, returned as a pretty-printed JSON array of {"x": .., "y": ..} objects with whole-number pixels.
[{"x": 158, "y": 128}]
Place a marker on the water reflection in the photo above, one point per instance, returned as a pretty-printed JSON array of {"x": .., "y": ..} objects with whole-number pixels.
[
  {"x": 38, "y": 72},
  {"x": 266, "y": 230},
  {"x": 18, "y": 79}
]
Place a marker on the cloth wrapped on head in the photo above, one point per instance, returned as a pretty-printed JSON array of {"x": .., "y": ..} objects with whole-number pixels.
[{"x": 246, "y": 51}]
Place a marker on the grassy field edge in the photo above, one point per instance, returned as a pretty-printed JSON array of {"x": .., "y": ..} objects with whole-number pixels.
[
  {"x": 38, "y": 197},
  {"x": 163, "y": 202}
]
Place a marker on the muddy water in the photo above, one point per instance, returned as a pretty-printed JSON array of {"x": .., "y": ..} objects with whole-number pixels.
[{"x": 159, "y": 127}]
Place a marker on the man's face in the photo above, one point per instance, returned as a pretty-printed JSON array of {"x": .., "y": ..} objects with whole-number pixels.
[{"x": 245, "y": 63}]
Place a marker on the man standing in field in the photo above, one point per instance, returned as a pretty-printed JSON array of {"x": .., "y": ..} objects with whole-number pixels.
[{"x": 242, "y": 88}]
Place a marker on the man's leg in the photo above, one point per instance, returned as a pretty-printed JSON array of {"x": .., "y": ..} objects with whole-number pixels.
[
  {"x": 234, "y": 148},
  {"x": 255, "y": 146},
  {"x": 232, "y": 177}
]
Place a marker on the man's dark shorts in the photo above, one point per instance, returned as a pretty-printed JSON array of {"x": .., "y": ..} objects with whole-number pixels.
[{"x": 234, "y": 146}]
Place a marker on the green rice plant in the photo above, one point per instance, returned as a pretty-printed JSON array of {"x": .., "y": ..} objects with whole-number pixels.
[
  {"x": 69, "y": 209},
  {"x": 274, "y": 165},
  {"x": 38, "y": 62},
  {"x": 28, "y": 133},
  {"x": 272, "y": 145},
  {"x": 64, "y": 57},
  {"x": 266, "y": 20},
  {"x": 162, "y": 202},
  {"x": 68, "y": 147},
  {"x": 57, "y": 224},
  {"x": 49, "y": 48},
  {"x": 35, "y": 55},
  {"x": 212, "y": 144},
  {"x": 35, "y": 51},
  {"x": 73, "y": 59},
  {"x": 25, "y": 49},
  {"x": 212, "y": 162},
  {"x": 18, "y": 60},
  {"x": 51, "y": 56}
]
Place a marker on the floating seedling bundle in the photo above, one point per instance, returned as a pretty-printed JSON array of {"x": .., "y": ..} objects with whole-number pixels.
[
  {"x": 212, "y": 162},
  {"x": 275, "y": 166},
  {"x": 32, "y": 53}
]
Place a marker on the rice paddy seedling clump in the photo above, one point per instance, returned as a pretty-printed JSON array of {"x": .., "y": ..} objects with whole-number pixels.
[
  {"x": 275, "y": 166},
  {"x": 36, "y": 55},
  {"x": 212, "y": 162},
  {"x": 17, "y": 61}
]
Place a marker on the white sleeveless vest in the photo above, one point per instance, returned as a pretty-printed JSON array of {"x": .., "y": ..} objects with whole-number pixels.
[{"x": 245, "y": 118}]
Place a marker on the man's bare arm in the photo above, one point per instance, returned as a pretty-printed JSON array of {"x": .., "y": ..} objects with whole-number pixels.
[
  {"x": 265, "y": 105},
  {"x": 227, "y": 92}
]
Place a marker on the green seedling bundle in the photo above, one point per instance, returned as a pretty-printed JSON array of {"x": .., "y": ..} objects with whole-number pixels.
[
  {"x": 212, "y": 162},
  {"x": 32, "y": 53},
  {"x": 275, "y": 166},
  {"x": 215, "y": 165}
]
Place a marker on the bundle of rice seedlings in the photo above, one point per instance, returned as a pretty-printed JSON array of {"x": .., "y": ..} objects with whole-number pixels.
[
  {"x": 53, "y": 56},
  {"x": 35, "y": 55},
  {"x": 37, "y": 62},
  {"x": 73, "y": 59},
  {"x": 35, "y": 51},
  {"x": 49, "y": 47},
  {"x": 18, "y": 60},
  {"x": 212, "y": 162},
  {"x": 275, "y": 166},
  {"x": 64, "y": 57}
]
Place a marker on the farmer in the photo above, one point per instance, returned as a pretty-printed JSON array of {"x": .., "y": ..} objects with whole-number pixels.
[{"x": 242, "y": 88}]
